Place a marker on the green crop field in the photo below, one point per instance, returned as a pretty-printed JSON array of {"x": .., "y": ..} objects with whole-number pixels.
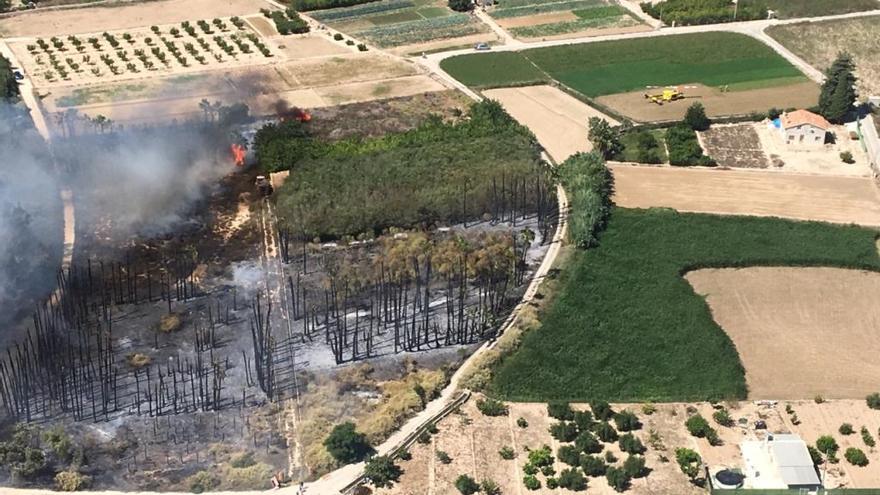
[
  {"x": 609, "y": 67},
  {"x": 497, "y": 69},
  {"x": 626, "y": 326}
]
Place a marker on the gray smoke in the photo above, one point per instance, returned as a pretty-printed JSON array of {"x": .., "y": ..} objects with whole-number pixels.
[{"x": 132, "y": 184}]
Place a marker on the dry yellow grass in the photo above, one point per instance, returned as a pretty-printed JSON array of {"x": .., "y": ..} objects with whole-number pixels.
[
  {"x": 170, "y": 323},
  {"x": 819, "y": 43}
]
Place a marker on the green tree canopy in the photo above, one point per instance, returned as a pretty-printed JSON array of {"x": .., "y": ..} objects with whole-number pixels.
[
  {"x": 604, "y": 138},
  {"x": 346, "y": 444},
  {"x": 382, "y": 471},
  {"x": 695, "y": 117},
  {"x": 838, "y": 94},
  {"x": 8, "y": 85}
]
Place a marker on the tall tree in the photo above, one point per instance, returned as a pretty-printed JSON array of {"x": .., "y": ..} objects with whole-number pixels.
[
  {"x": 695, "y": 117},
  {"x": 838, "y": 94},
  {"x": 8, "y": 85},
  {"x": 604, "y": 138}
]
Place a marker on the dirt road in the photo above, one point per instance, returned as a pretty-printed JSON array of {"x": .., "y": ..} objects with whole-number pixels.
[
  {"x": 794, "y": 327},
  {"x": 761, "y": 193},
  {"x": 558, "y": 120}
]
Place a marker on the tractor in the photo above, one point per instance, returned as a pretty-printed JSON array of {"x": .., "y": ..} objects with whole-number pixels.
[{"x": 667, "y": 96}]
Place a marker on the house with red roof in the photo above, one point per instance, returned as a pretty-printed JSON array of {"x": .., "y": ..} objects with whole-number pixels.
[{"x": 803, "y": 127}]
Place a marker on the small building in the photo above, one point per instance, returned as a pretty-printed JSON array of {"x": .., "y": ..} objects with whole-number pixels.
[
  {"x": 804, "y": 127},
  {"x": 780, "y": 461}
]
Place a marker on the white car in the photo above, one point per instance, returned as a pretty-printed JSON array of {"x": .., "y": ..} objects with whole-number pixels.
[{"x": 482, "y": 47}]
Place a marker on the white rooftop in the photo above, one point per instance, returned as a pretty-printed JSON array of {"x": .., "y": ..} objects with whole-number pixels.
[{"x": 778, "y": 464}]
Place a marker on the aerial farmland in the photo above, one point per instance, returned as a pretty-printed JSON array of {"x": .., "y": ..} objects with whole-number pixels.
[{"x": 439, "y": 247}]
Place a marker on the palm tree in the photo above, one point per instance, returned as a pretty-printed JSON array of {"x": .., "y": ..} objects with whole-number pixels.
[{"x": 71, "y": 116}]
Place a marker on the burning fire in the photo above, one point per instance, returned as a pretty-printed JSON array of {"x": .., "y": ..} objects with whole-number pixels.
[{"x": 238, "y": 153}]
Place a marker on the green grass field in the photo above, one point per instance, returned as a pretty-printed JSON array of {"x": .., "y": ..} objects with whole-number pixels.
[
  {"x": 609, "y": 67},
  {"x": 626, "y": 326}
]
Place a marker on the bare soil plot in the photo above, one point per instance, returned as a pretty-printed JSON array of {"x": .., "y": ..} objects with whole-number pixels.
[
  {"x": 795, "y": 327},
  {"x": 819, "y": 43},
  {"x": 262, "y": 25},
  {"x": 729, "y": 192},
  {"x": 735, "y": 146},
  {"x": 445, "y": 44},
  {"x": 635, "y": 106},
  {"x": 372, "y": 90},
  {"x": 558, "y": 119},
  {"x": 533, "y": 20},
  {"x": 349, "y": 68},
  {"x": 295, "y": 47},
  {"x": 473, "y": 441},
  {"x": 130, "y": 15}
]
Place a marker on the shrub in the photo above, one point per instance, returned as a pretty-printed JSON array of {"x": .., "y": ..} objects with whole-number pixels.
[
  {"x": 489, "y": 487},
  {"x": 634, "y": 466},
  {"x": 695, "y": 117},
  {"x": 846, "y": 429},
  {"x": 382, "y": 471},
  {"x": 867, "y": 438},
  {"x": 531, "y": 482},
  {"x": 507, "y": 453},
  {"x": 847, "y": 157},
  {"x": 626, "y": 421},
  {"x": 815, "y": 455},
  {"x": 722, "y": 417},
  {"x": 362, "y": 47},
  {"x": 606, "y": 432},
  {"x": 630, "y": 444},
  {"x": 818, "y": 399},
  {"x": 492, "y": 407},
  {"x": 346, "y": 445},
  {"x": 689, "y": 462},
  {"x": 466, "y": 485},
  {"x": 541, "y": 457},
  {"x": 560, "y": 410},
  {"x": 856, "y": 457},
  {"x": 873, "y": 400},
  {"x": 648, "y": 408},
  {"x": 443, "y": 457},
  {"x": 202, "y": 481},
  {"x": 569, "y": 454},
  {"x": 243, "y": 460},
  {"x": 588, "y": 184},
  {"x": 71, "y": 481},
  {"x": 586, "y": 442},
  {"x": 564, "y": 431},
  {"x": 583, "y": 420},
  {"x": 548, "y": 470},
  {"x": 337, "y": 36},
  {"x": 593, "y": 465},
  {"x": 827, "y": 445},
  {"x": 572, "y": 479},
  {"x": 617, "y": 479},
  {"x": 404, "y": 455},
  {"x": 522, "y": 423},
  {"x": 610, "y": 458},
  {"x": 552, "y": 483},
  {"x": 460, "y": 5},
  {"x": 529, "y": 469},
  {"x": 698, "y": 426}
]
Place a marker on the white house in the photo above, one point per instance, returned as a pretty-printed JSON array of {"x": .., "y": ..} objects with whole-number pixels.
[
  {"x": 780, "y": 461},
  {"x": 803, "y": 127}
]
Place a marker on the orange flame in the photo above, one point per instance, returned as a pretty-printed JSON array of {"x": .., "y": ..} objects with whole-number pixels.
[{"x": 238, "y": 153}]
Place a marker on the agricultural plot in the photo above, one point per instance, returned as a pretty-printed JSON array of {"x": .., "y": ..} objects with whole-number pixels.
[
  {"x": 782, "y": 320},
  {"x": 626, "y": 326},
  {"x": 819, "y": 43},
  {"x": 789, "y": 9},
  {"x": 558, "y": 120},
  {"x": 395, "y": 23},
  {"x": 841, "y": 200},
  {"x": 736, "y": 146},
  {"x": 119, "y": 55},
  {"x": 735, "y": 69},
  {"x": 540, "y": 19}
]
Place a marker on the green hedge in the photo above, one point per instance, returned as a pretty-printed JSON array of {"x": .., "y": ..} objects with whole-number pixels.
[
  {"x": 307, "y": 5},
  {"x": 691, "y": 12},
  {"x": 588, "y": 184},
  {"x": 684, "y": 148},
  {"x": 289, "y": 22}
]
